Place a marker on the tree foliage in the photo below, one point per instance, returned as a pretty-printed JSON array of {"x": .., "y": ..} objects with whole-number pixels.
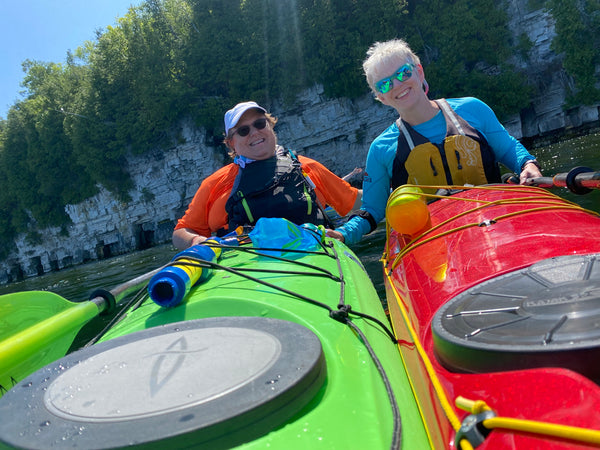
[
  {"x": 578, "y": 28},
  {"x": 463, "y": 46},
  {"x": 125, "y": 92}
]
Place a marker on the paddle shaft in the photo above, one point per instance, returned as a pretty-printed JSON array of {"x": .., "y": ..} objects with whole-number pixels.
[
  {"x": 27, "y": 350},
  {"x": 589, "y": 180},
  {"x": 124, "y": 289},
  {"x": 579, "y": 180}
]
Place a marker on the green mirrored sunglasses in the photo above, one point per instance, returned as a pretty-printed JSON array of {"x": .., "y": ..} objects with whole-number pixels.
[{"x": 402, "y": 74}]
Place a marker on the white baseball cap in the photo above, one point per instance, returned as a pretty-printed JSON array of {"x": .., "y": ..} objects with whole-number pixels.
[{"x": 233, "y": 115}]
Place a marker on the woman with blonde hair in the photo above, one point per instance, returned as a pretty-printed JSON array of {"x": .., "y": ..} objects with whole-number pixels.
[{"x": 453, "y": 141}]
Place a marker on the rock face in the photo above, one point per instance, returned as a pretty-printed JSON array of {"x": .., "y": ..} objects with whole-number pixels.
[
  {"x": 336, "y": 132},
  {"x": 542, "y": 65}
]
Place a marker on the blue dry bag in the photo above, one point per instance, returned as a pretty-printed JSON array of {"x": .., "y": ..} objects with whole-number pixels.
[{"x": 281, "y": 234}]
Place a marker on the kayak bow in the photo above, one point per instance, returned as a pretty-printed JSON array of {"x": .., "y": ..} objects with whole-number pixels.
[{"x": 496, "y": 300}]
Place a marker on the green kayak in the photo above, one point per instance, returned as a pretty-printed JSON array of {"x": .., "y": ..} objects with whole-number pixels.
[{"x": 268, "y": 349}]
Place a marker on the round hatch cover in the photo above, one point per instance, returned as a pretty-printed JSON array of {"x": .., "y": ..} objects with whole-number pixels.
[
  {"x": 217, "y": 382},
  {"x": 545, "y": 315}
]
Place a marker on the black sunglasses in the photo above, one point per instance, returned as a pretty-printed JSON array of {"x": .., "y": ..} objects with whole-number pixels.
[{"x": 243, "y": 131}]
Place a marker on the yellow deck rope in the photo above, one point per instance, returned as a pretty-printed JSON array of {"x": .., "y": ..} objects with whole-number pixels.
[
  {"x": 412, "y": 386},
  {"x": 465, "y": 445},
  {"x": 530, "y": 426},
  {"x": 475, "y": 407},
  {"x": 446, "y": 406},
  {"x": 437, "y": 386},
  {"x": 551, "y": 201}
]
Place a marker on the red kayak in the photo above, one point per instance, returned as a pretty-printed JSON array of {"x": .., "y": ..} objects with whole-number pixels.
[{"x": 494, "y": 295}]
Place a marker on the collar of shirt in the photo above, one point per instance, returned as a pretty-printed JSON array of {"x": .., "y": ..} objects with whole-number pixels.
[{"x": 242, "y": 161}]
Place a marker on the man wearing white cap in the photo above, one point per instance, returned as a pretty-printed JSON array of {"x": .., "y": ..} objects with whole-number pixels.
[{"x": 263, "y": 181}]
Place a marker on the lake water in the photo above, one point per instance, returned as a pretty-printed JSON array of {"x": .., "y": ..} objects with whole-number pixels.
[{"x": 76, "y": 283}]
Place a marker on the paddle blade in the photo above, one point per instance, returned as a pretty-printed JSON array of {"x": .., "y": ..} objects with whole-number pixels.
[{"x": 37, "y": 328}]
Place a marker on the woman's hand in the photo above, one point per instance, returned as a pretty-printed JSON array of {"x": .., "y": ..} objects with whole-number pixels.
[
  {"x": 197, "y": 240},
  {"x": 185, "y": 237},
  {"x": 334, "y": 234},
  {"x": 530, "y": 170}
]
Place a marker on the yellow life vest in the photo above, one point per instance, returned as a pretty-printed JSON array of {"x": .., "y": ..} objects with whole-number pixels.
[{"x": 464, "y": 157}]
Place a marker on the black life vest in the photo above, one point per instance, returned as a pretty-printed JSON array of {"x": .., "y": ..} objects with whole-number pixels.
[
  {"x": 274, "y": 187},
  {"x": 464, "y": 157}
]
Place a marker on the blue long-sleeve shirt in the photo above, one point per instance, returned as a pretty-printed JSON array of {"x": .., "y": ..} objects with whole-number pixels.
[{"x": 378, "y": 174}]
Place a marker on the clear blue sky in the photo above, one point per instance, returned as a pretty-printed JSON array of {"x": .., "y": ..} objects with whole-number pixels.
[{"x": 44, "y": 30}]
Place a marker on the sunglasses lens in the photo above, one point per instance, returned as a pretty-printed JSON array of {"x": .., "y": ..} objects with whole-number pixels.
[
  {"x": 260, "y": 124},
  {"x": 243, "y": 131},
  {"x": 404, "y": 74},
  {"x": 384, "y": 86}
]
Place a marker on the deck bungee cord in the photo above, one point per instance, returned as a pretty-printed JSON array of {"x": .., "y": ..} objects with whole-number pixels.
[
  {"x": 342, "y": 314},
  {"x": 261, "y": 252},
  {"x": 397, "y": 427},
  {"x": 343, "y": 309},
  {"x": 437, "y": 386},
  {"x": 131, "y": 305},
  {"x": 550, "y": 202}
]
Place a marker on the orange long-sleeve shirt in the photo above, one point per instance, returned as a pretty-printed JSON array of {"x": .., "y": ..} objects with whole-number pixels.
[{"x": 206, "y": 213}]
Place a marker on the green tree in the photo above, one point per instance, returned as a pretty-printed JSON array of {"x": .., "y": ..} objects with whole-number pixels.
[
  {"x": 464, "y": 46},
  {"x": 51, "y": 90},
  {"x": 578, "y": 39},
  {"x": 337, "y": 34},
  {"x": 44, "y": 175},
  {"x": 136, "y": 93},
  {"x": 217, "y": 69}
]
